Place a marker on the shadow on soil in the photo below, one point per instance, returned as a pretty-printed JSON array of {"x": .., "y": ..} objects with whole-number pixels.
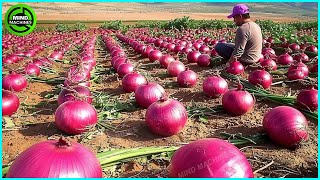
[{"x": 45, "y": 129}]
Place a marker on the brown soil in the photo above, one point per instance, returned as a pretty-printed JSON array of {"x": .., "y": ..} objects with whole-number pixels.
[{"x": 132, "y": 131}]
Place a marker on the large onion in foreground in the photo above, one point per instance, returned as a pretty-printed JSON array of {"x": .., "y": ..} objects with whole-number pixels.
[
  {"x": 209, "y": 158},
  {"x": 56, "y": 159},
  {"x": 286, "y": 126}
]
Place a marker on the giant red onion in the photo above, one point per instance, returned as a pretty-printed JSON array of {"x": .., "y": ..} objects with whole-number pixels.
[
  {"x": 204, "y": 60},
  {"x": 74, "y": 117},
  {"x": 214, "y": 86},
  {"x": 260, "y": 77},
  {"x": 193, "y": 56},
  {"x": 175, "y": 67},
  {"x": 286, "y": 126},
  {"x": 308, "y": 99},
  {"x": 312, "y": 48},
  {"x": 124, "y": 68},
  {"x": 14, "y": 82},
  {"x": 313, "y": 68},
  {"x": 32, "y": 69},
  {"x": 165, "y": 60},
  {"x": 56, "y": 159},
  {"x": 237, "y": 101},
  {"x": 204, "y": 49},
  {"x": 209, "y": 158},
  {"x": 285, "y": 59},
  {"x": 149, "y": 93},
  {"x": 56, "y": 56},
  {"x": 146, "y": 51},
  {"x": 10, "y": 103},
  {"x": 298, "y": 71},
  {"x": 75, "y": 93},
  {"x": 269, "y": 65},
  {"x": 155, "y": 55},
  {"x": 187, "y": 78},
  {"x": 132, "y": 81},
  {"x": 301, "y": 56},
  {"x": 294, "y": 47},
  {"x": 235, "y": 68},
  {"x": 166, "y": 117},
  {"x": 268, "y": 51}
]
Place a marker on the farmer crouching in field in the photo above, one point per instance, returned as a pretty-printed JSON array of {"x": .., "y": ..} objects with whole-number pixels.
[{"x": 248, "y": 41}]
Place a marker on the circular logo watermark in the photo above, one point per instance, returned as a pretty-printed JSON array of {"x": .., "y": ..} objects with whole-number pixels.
[{"x": 20, "y": 20}]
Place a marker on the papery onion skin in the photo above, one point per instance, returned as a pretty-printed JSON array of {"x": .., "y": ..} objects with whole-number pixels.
[
  {"x": 14, "y": 82},
  {"x": 124, "y": 69},
  {"x": 214, "y": 86},
  {"x": 175, "y": 67},
  {"x": 187, "y": 78},
  {"x": 235, "y": 68},
  {"x": 209, "y": 158},
  {"x": 74, "y": 117},
  {"x": 260, "y": 77},
  {"x": 49, "y": 160},
  {"x": 32, "y": 69},
  {"x": 286, "y": 126},
  {"x": 166, "y": 117},
  {"x": 165, "y": 60},
  {"x": 70, "y": 95},
  {"x": 149, "y": 93},
  {"x": 237, "y": 101},
  {"x": 308, "y": 99},
  {"x": 10, "y": 103},
  {"x": 132, "y": 81}
]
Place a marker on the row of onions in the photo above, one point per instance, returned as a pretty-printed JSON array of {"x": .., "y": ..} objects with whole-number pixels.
[
  {"x": 165, "y": 116},
  {"x": 15, "y": 82}
]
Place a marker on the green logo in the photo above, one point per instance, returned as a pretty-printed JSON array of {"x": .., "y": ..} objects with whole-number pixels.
[{"x": 20, "y": 20}]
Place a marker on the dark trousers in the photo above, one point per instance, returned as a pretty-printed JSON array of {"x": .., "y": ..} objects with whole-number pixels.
[{"x": 224, "y": 50}]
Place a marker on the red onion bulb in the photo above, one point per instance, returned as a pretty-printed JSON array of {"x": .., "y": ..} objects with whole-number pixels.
[
  {"x": 166, "y": 117},
  {"x": 74, "y": 117},
  {"x": 209, "y": 158},
  {"x": 286, "y": 126},
  {"x": 56, "y": 159}
]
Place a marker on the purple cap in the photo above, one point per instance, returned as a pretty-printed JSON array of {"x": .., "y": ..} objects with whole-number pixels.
[{"x": 239, "y": 9}]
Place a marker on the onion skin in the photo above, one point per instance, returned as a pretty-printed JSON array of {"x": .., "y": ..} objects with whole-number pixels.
[
  {"x": 285, "y": 59},
  {"x": 308, "y": 99},
  {"x": 124, "y": 69},
  {"x": 269, "y": 65},
  {"x": 203, "y": 60},
  {"x": 214, "y": 86},
  {"x": 166, "y": 117},
  {"x": 73, "y": 117},
  {"x": 235, "y": 68},
  {"x": 154, "y": 55},
  {"x": 192, "y": 56},
  {"x": 260, "y": 77},
  {"x": 14, "y": 82},
  {"x": 32, "y": 69},
  {"x": 148, "y": 93},
  {"x": 67, "y": 95},
  {"x": 10, "y": 103},
  {"x": 209, "y": 158},
  {"x": 175, "y": 67},
  {"x": 165, "y": 60},
  {"x": 187, "y": 78},
  {"x": 237, "y": 101},
  {"x": 53, "y": 159},
  {"x": 286, "y": 126},
  {"x": 132, "y": 81}
]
